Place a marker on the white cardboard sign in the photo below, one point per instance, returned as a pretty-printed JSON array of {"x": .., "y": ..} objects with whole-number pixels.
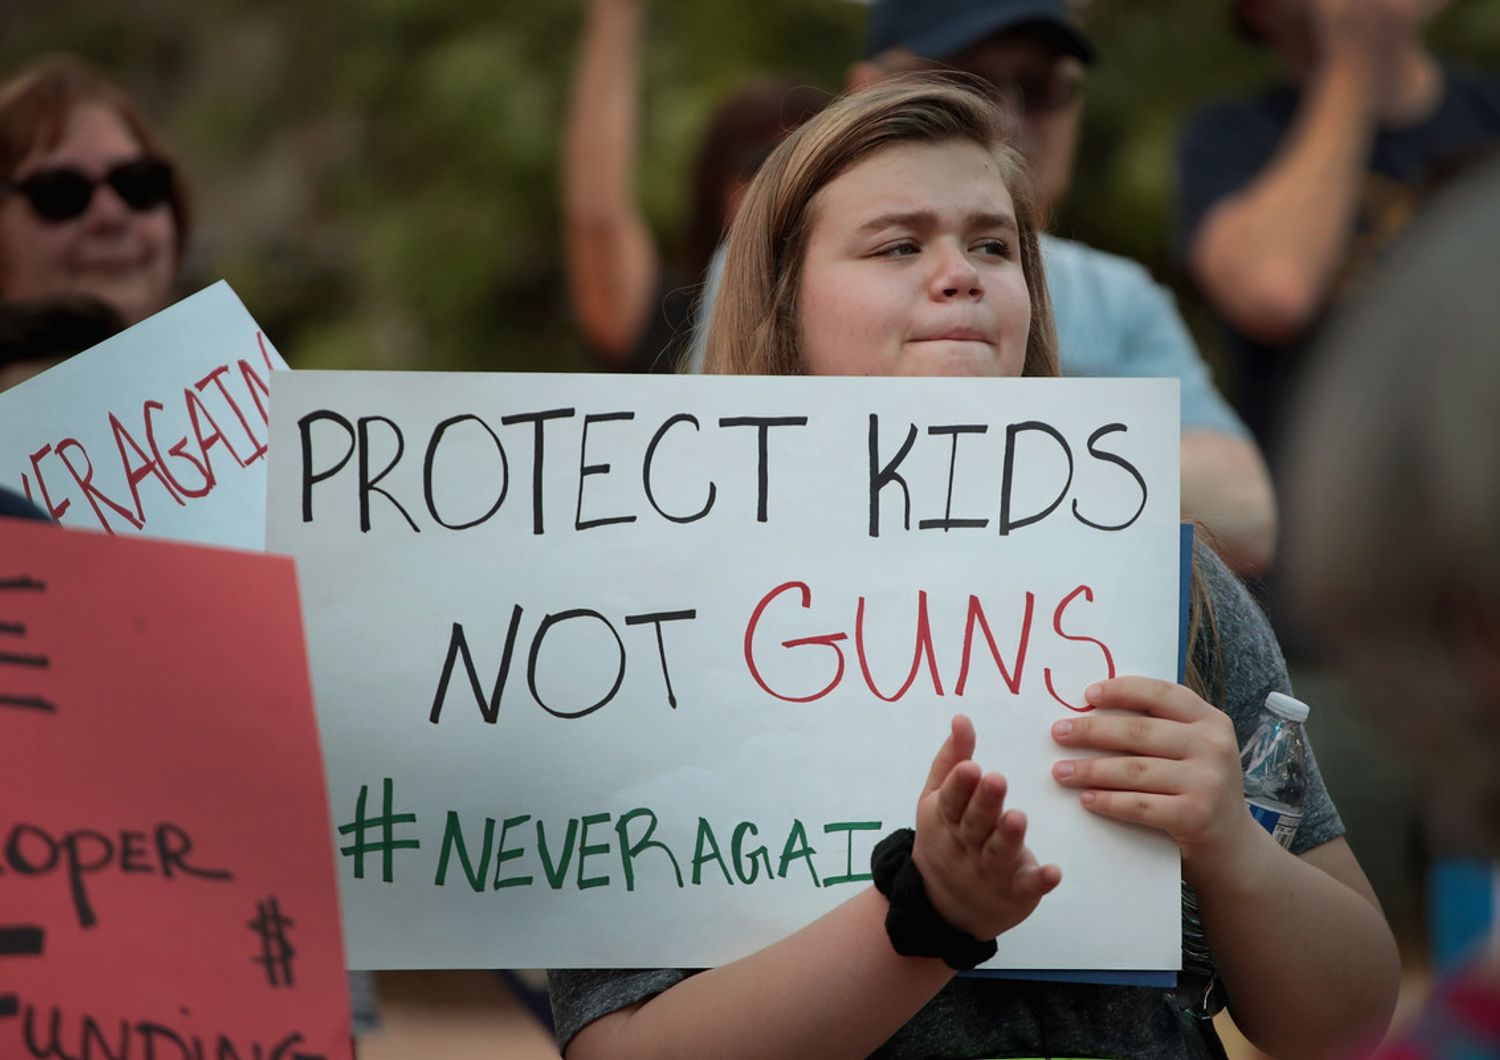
[
  {"x": 635, "y": 671},
  {"x": 160, "y": 430}
]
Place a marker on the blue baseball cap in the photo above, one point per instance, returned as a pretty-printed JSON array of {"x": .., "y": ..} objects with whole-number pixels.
[{"x": 939, "y": 29}]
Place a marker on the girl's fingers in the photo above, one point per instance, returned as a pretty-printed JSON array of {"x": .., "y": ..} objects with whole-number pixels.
[
  {"x": 1126, "y": 732},
  {"x": 1160, "y": 699},
  {"x": 1151, "y": 775},
  {"x": 980, "y": 816},
  {"x": 1006, "y": 842},
  {"x": 1133, "y": 807},
  {"x": 957, "y": 791},
  {"x": 1037, "y": 880},
  {"x": 958, "y": 747}
]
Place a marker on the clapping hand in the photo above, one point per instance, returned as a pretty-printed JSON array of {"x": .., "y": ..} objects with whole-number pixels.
[{"x": 971, "y": 851}]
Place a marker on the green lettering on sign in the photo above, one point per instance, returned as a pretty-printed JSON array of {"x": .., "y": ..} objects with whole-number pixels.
[
  {"x": 502, "y": 855},
  {"x": 587, "y": 850},
  {"x": 556, "y": 875},
  {"x": 453, "y": 838},
  {"x": 849, "y": 828},
  {"x": 798, "y": 848},
  {"x": 700, "y": 858},
  {"x": 629, "y": 851}
]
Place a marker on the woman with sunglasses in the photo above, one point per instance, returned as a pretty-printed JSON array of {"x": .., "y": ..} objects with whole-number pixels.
[{"x": 90, "y": 206}]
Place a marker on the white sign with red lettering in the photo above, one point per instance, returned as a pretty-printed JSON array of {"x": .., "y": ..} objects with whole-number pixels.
[
  {"x": 635, "y": 671},
  {"x": 160, "y": 430}
]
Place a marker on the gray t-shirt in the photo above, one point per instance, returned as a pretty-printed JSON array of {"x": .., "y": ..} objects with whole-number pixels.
[{"x": 978, "y": 1017}]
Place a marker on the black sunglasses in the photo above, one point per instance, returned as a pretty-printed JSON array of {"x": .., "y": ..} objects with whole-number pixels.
[{"x": 64, "y": 193}]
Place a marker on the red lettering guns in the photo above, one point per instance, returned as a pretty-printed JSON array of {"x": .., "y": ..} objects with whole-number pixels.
[{"x": 1011, "y": 672}]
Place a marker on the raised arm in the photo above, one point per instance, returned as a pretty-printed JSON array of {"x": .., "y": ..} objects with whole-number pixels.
[
  {"x": 613, "y": 267},
  {"x": 1267, "y": 255},
  {"x": 836, "y": 987}
]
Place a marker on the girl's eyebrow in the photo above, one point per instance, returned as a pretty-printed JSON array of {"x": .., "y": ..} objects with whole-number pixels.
[
  {"x": 908, "y": 219},
  {"x": 995, "y": 220},
  {"x": 921, "y": 219}
]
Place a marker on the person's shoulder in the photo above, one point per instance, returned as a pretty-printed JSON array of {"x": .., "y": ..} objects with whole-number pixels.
[
  {"x": 1082, "y": 261},
  {"x": 1470, "y": 86},
  {"x": 1220, "y": 149},
  {"x": 1236, "y": 646},
  {"x": 1269, "y": 107},
  {"x": 1240, "y": 618},
  {"x": 1220, "y": 583},
  {"x": 1469, "y": 78},
  {"x": 15, "y": 506}
]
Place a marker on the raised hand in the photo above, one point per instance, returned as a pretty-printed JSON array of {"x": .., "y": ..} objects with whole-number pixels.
[
  {"x": 971, "y": 852},
  {"x": 1173, "y": 764}
]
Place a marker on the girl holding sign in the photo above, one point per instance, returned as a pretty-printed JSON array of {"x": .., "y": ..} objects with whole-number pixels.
[{"x": 894, "y": 235}]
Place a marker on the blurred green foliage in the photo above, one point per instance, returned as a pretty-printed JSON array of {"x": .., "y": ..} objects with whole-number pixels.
[{"x": 378, "y": 179}]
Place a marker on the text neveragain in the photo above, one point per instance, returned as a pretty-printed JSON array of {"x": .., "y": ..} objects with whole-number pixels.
[
  {"x": 622, "y": 671},
  {"x": 160, "y": 430}
]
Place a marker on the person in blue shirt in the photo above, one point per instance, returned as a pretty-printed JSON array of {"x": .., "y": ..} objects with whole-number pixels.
[{"x": 1113, "y": 319}]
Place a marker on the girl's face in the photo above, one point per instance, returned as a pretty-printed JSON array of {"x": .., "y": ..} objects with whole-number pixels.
[
  {"x": 122, "y": 255},
  {"x": 913, "y": 268}
]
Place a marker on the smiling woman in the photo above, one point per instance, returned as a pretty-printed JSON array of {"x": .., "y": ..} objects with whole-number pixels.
[{"x": 90, "y": 206}]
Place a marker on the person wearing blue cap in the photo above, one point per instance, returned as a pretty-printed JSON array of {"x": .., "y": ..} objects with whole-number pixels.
[
  {"x": 1030, "y": 52},
  {"x": 1112, "y": 318}
]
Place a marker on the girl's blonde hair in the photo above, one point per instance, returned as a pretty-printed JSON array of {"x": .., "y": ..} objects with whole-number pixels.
[{"x": 753, "y": 330}]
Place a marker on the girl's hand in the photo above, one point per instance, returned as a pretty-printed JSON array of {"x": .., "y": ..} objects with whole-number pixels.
[
  {"x": 1174, "y": 766},
  {"x": 976, "y": 868}
]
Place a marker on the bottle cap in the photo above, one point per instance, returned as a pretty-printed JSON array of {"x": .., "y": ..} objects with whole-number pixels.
[{"x": 1284, "y": 706}]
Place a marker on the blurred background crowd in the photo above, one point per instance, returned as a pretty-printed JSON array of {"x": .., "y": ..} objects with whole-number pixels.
[
  {"x": 338, "y": 152},
  {"x": 429, "y": 184}
]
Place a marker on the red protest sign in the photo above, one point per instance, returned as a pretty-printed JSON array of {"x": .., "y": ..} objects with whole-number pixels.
[{"x": 166, "y": 877}]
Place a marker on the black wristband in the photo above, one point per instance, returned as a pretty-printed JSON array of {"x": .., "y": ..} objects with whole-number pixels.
[{"x": 915, "y": 928}]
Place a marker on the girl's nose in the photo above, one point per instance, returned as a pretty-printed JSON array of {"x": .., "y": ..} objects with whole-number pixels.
[{"x": 955, "y": 276}]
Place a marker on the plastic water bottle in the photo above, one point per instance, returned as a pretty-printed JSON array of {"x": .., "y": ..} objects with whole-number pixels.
[
  {"x": 1274, "y": 763},
  {"x": 1275, "y": 767}
]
